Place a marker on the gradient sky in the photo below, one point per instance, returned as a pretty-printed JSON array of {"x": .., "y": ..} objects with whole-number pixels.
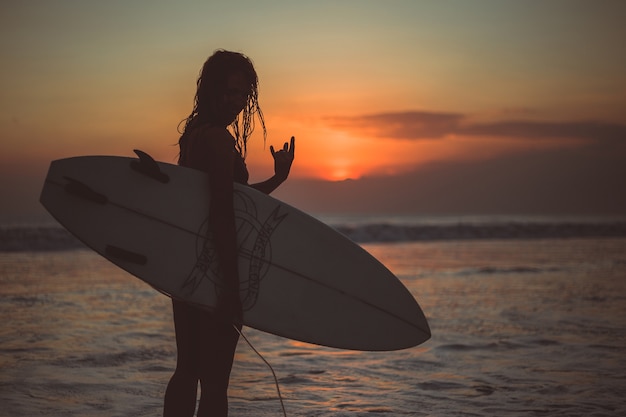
[{"x": 526, "y": 98}]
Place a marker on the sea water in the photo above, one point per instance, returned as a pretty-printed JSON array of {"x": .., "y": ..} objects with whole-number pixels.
[{"x": 524, "y": 324}]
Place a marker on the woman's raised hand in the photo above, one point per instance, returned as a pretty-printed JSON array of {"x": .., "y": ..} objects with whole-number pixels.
[{"x": 283, "y": 159}]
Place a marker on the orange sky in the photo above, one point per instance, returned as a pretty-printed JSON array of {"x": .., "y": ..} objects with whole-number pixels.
[{"x": 368, "y": 88}]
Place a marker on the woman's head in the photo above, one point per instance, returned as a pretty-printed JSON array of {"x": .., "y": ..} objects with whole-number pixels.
[{"x": 227, "y": 87}]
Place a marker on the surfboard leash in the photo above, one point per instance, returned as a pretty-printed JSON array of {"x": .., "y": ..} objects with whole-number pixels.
[{"x": 280, "y": 397}]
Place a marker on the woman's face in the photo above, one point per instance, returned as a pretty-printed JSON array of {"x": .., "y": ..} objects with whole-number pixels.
[{"x": 234, "y": 99}]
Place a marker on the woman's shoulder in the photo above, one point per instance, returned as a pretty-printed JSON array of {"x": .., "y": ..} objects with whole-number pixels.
[
  {"x": 205, "y": 146},
  {"x": 213, "y": 138}
]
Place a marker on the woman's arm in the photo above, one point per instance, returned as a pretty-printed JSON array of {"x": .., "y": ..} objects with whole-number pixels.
[
  {"x": 282, "y": 165},
  {"x": 268, "y": 185},
  {"x": 220, "y": 150}
]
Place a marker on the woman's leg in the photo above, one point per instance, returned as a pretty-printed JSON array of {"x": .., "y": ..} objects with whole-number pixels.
[
  {"x": 217, "y": 354},
  {"x": 180, "y": 395}
]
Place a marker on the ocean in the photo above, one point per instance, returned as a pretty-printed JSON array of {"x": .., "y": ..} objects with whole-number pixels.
[{"x": 528, "y": 317}]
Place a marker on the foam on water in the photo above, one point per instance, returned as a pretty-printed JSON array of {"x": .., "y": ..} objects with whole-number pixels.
[{"x": 375, "y": 229}]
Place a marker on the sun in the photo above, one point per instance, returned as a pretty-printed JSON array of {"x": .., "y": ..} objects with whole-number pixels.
[
  {"x": 342, "y": 169},
  {"x": 336, "y": 157}
]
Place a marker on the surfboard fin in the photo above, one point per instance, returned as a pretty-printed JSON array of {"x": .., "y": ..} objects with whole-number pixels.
[
  {"x": 148, "y": 166},
  {"x": 82, "y": 190},
  {"x": 125, "y": 255}
]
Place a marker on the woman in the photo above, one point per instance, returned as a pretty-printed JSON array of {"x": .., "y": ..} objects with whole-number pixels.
[{"x": 206, "y": 340}]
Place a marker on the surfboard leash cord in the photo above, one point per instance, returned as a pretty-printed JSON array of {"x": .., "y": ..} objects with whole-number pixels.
[{"x": 280, "y": 397}]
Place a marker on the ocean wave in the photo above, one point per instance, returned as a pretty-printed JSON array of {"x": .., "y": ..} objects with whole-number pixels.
[
  {"x": 488, "y": 270},
  {"x": 46, "y": 238},
  {"x": 37, "y": 238},
  {"x": 371, "y": 233}
]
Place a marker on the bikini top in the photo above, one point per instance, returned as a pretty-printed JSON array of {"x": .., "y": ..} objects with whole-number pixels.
[{"x": 196, "y": 160}]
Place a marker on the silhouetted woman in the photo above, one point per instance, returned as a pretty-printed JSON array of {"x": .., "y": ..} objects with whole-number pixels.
[{"x": 226, "y": 96}]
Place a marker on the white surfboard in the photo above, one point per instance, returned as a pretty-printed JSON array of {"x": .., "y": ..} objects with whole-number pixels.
[{"x": 300, "y": 278}]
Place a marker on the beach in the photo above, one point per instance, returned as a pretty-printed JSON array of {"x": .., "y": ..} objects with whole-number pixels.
[{"x": 528, "y": 325}]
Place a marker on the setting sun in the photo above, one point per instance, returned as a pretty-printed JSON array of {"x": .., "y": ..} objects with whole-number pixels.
[
  {"x": 341, "y": 158},
  {"x": 341, "y": 170}
]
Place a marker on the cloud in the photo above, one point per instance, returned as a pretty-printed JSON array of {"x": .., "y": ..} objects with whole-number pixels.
[
  {"x": 537, "y": 130},
  {"x": 417, "y": 125},
  {"x": 403, "y": 125}
]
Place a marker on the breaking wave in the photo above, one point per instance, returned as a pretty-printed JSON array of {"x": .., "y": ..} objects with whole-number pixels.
[{"x": 55, "y": 237}]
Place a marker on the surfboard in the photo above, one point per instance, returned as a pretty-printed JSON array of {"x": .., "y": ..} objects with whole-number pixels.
[{"x": 299, "y": 278}]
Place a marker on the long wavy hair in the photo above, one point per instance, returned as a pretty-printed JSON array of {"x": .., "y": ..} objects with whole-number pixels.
[{"x": 211, "y": 85}]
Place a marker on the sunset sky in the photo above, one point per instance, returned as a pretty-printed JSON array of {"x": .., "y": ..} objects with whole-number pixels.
[{"x": 428, "y": 106}]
